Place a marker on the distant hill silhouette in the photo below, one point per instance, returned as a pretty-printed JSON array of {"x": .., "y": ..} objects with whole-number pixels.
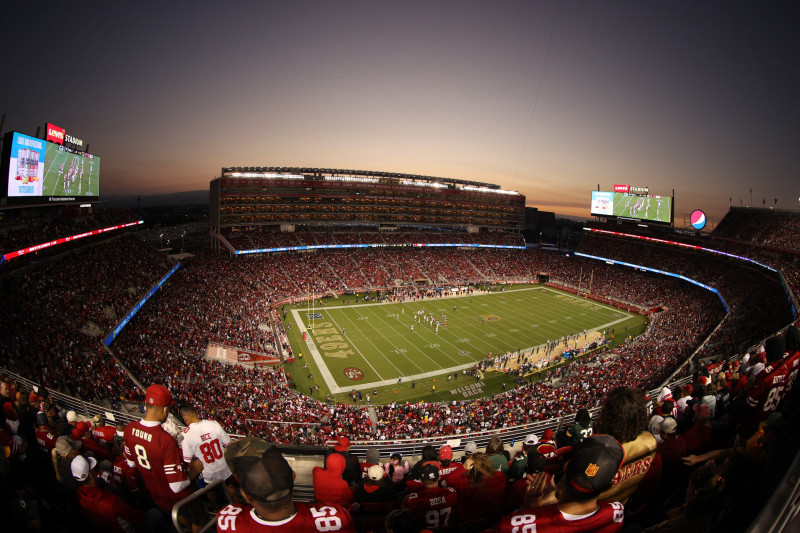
[{"x": 153, "y": 200}]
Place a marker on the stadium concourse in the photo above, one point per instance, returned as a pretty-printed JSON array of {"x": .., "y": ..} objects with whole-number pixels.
[{"x": 56, "y": 305}]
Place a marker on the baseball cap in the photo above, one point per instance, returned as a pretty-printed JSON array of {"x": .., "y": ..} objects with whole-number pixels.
[
  {"x": 64, "y": 445},
  {"x": 80, "y": 467},
  {"x": 243, "y": 448},
  {"x": 688, "y": 388},
  {"x": 342, "y": 444},
  {"x": 33, "y": 397},
  {"x": 445, "y": 452},
  {"x": 536, "y": 462},
  {"x": 548, "y": 434},
  {"x": 470, "y": 448},
  {"x": 669, "y": 426},
  {"x": 429, "y": 472},
  {"x": 157, "y": 395},
  {"x": 375, "y": 473},
  {"x": 71, "y": 416},
  {"x": 531, "y": 440},
  {"x": 41, "y": 419},
  {"x": 266, "y": 478},
  {"x": 594, "y": 463},
  {"x": 373, "y": 455}
]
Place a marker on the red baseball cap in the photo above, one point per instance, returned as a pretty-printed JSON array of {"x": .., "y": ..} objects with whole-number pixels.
[
  {"x": 446, "y": 452},
  {"x": 158, "y": 395},
  {"x": 548, "y": 434},
  {"x": 342, "y": 444}
]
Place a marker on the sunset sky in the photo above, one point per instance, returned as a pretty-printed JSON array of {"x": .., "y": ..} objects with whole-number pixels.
[{"x": 548, "y": 98}]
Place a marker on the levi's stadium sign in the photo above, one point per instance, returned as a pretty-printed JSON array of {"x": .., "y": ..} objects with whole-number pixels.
[{"x": 55, "y": 134}]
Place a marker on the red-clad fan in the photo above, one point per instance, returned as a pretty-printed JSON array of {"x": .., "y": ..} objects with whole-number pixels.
[
  {"x": 329, "y": 487},
  {"x": 81, "y": 433},
  {"x": 103, "y": 510},
  {"x": 481, "y": 490},
  {"x": 768, "y": 387},
  {"x": 266, "y": 483},
  {"x": 448, "y": 469},
  {"x": 156, "y": 455},
  {"x": 101, "y": 432},
  {"x": 45, "y": 437},
  {"x": 373, "y": 458},
  {"x": 433, "y": 506},
  {"x": 590, "y": 470}
]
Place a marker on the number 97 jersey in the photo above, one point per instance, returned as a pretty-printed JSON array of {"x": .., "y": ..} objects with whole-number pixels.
[{"x": 309, "y": 517}]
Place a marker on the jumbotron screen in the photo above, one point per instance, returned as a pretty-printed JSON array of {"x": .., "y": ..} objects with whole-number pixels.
[
  {"x": 648, "y": 208},
  {"x": 41, "y": 169}
]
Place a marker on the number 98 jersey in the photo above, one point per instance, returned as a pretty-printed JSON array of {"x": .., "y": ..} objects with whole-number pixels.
[{"x": 309, "y": 517}]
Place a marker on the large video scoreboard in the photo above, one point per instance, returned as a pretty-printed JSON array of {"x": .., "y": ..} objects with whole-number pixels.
[
  {"x": 630, "y": 206},
  {"x": 39, "y": 170}
]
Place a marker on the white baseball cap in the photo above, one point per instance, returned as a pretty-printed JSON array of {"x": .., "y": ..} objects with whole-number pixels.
[{"x": 80, "y": 467}]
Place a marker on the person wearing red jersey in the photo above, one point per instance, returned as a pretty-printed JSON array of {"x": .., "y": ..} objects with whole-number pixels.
[
  {"x": 81, "y": 433},
  {"x": 433, "y": 505},
  {"x": 769, "y": 386},
  {"x": 101, "y": 432},
  {"x": 102, "y": 509},
  {"x": 44, "y": 436},
  {"x": 447, "y": 467},
  {"x": 156, "y": 455},
  {"x": 266, "y": 484},
  {"x": 547, "y": 446},
  {"x": 480, "y": 489},
  {"x": 591, "y": 468}
]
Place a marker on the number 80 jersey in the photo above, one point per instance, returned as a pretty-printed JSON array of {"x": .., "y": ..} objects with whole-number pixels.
[
  {"x": 309, "y": 517},
  {"x": 206, "y": 440}
]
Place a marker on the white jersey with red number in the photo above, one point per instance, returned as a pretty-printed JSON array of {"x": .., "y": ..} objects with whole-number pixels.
[
  {"x": 433, "y": 507},
  {"x": 206, "y": 440},
  {"x": 607, "y": 518},
  {"x": 156, "y": 456},
  {"x": 309, "y": 517}
]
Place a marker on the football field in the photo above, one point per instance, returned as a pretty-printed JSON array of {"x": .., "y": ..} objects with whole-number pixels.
[
  {"x": 371, "y": 345},
  {"x": 70, "y": 174}
]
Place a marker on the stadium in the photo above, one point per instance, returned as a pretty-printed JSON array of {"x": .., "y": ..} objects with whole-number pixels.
[{"x": 402, "y": 311}]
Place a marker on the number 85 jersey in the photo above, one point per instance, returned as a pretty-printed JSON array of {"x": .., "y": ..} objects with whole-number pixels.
[
  {"x": 206, "y": 440},
  {"x": 309, "y": 517}
]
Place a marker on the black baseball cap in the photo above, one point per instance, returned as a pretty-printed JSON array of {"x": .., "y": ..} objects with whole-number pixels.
[
  {"x": 594, "y": 463},
  {"x": 267, "y": 478},
  {"x": 429, "y": 472}
]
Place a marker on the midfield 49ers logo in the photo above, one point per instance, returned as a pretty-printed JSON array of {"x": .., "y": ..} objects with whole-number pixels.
[{"x": 353, "y": 373}]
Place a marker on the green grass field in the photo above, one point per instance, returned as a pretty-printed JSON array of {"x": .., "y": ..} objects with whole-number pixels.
[
  {"x": 369, "y": 346},
  {"x": 642, "y": 207},
  {"x": 83, "y": 180}
]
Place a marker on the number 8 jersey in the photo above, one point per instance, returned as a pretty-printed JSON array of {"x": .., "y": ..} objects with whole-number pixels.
[
  {"x": 156, "y": 456},
  {"x": 206, "y": 440}
]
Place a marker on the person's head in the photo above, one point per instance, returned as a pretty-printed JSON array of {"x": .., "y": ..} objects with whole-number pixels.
[
  {"x": 342, "y": 444},
  {"x": 470, "y": 448},
  {"x": 624, "y": 415},
  {"x": 375, "y": 475},
  {"x": 669, "y": 428},
  {"x": 429, "y": 475},
  {"x": 478, "y": 469},
  {"x": 429, "y": 453},
  {"x": 157, "y": 400},
  {"x": 266, "y": 481},
  {"x": 590, "y": 469},
  {"x": 446, "y": 454},
  {"x": 774, "y": 347},
  {"x": 667, "y": 407},
  {"x": 547, "y": 435},
  {"x": 82, "y": 467},
  {"x": 495, "y": 446},
  {"x": 373, "y": 455},
  {"x": 395, "y": 459},
  {"x": 702, "y": 413},
  {"x": 792, "y": 339},
  {"x": 98, "y": 420},
  {"x": 23, "y": 399},
  {"x": 5, "y": 389},
  {"x": 189, "y": 413},
  {"x": 536, "y": 462},
  {"x": 583, "y": 418},
  {"x": 530, "y": 443}
]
